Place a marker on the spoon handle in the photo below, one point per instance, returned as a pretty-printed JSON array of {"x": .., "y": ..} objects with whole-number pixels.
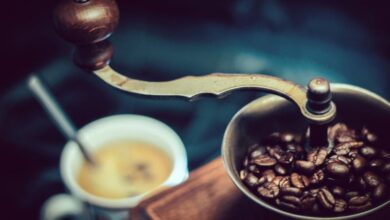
[{"x": 61, "y": 120}]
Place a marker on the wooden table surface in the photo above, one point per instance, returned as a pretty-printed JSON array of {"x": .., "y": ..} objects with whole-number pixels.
[{"x": 208, "y": 194}]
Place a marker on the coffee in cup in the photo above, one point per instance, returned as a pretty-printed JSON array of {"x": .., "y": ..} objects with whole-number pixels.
[{"x": 124, "y": 169}]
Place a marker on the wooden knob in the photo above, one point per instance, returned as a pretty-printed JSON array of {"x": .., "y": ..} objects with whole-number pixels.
[
  {"x": 93, "y": 56},
  {"x": 319, "y": 96},
  {"x": 86, "y": 21}
]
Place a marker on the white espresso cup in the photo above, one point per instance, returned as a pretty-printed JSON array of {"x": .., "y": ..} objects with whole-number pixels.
[{"x": 95, "y": 135}]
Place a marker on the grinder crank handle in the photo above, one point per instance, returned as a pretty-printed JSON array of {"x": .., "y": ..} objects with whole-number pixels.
[
  {"x": 220, "y": 84},
  {"x": 88, "y": 23}
]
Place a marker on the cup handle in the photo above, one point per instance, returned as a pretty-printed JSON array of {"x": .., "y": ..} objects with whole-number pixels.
[{"x": 58, "y": 206}]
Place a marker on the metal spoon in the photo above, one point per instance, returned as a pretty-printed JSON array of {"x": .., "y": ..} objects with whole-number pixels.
[{"x": 58, "y": 116}]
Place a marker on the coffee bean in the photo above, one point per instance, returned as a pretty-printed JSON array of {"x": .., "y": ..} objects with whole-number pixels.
[
  {"x": 246, "y": 162},
  {"x": 258, "y": 150},
  {"x": 306, "y": 192},
  {"x": 286, "y": 158},
  {"x": 371, "y": 179},
  {"x": 305, "y": 166},
  {"x": 351, "y": 194},
  {"x": 261, "y": 180},
  {"x": 243, "y": 174},
  {"x": 368, "y": 136},
  {"x": 291, "y": 147},
  {"x": 359, "y": 163},
  {"x": 355, "y": 144},
  {"x": 360, "y": 207},
  {"x": 376, "y": 163},
  {"x": 325, "y": 198},
  {"x": 335, "y": 130},
  {"x": 299, "y": 181},
  {"x": 268, "y": 190},
  {"x": 264, "y": 161},
  {"x": 342, "y": 149},
  {"x": 314, "y": 191},
  {"x": 251, "y": 180},
  {"x": 287, "y": 137},
  {"x": 253, "y": 169},
  {"x": 282, "y": 156},
  {"x": 337, "y": 169},
  {"x": 291, "y": 199},
  {"x": 344, "y": 160},
  {"x": 379, "y": 191},
  {"x": 279, "y": 169},
  {"x": 368, "y": 151},
  {"x": 308, "y": 202},
  {"x": 269, "y": 175},
  {"x": 272, "y": 149},
  {"x": 364, "y": 131},
  {"x": 345, "y": 148},
  {"x": 338, "y": 191},
  {"x": 386, "y": 167},
  {"x": 291, "y": 191},
  {"x": 371, "y": 138},
  {"x": 286, "y": 205},
  {"x": 317, "y": 177},
  {"x": 347, "y": 136},
  {"x": 385, "y": 154},
  {"x": 353, "y": 154},
  {"x": 340, "y": 159},
  {"x": 255, "y": 154},
  {"x": 358, "y": 200},
  {"x": 340, "y": 205},
  {"x": 277, "y": 180},
  {"x": 285, "y": 182},
  {"x": 317, "y": 155}
]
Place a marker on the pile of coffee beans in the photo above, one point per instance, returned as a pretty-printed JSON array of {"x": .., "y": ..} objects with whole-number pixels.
[{"x": 348, "y": 176}]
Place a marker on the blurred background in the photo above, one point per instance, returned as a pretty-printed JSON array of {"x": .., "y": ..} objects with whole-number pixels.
[{"x": 344, "y": 41}]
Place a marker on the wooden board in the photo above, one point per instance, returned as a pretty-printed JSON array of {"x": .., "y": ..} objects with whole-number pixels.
[{"x": 209, "y": 194}]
